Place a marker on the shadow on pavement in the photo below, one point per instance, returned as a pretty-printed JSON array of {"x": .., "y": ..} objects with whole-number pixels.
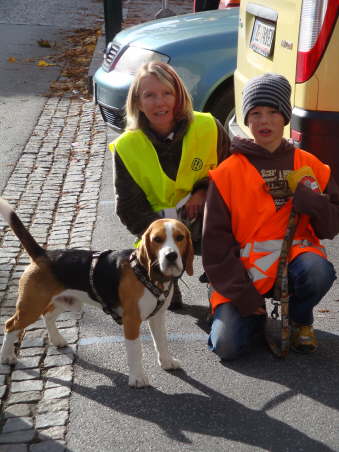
[
  {"x": 214, "y": 414},
  {"x": 198, "y": 312},
  {"x": 314, "y": 376}
]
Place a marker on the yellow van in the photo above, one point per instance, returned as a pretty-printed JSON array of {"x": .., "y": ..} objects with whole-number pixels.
[{"x": 300, "y": 40}]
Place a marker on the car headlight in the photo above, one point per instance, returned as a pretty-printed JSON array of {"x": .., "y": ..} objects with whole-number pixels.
[{"x": 134, "y": 57}]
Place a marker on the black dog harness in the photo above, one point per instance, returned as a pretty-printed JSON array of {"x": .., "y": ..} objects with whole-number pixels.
[
  {"x": 142, "y": 275},
  {"x": 108, "y": 306}
]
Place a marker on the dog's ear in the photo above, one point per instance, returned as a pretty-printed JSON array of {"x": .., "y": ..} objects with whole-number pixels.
[
  {"x": 188, "y": 255},
  {"x": 144, "y": 251}
]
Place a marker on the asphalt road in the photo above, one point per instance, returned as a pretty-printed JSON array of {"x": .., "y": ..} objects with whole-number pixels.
[{"x": 22, "y": 83}]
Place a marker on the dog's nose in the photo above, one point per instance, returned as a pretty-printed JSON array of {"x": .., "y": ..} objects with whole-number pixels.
[{"x": 171, "y": 257}]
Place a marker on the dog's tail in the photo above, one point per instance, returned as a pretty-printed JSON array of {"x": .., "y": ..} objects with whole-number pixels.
[{"x": 27, "y": 240}]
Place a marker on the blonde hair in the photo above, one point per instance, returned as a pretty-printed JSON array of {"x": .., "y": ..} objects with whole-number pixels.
[{"x": 183, "y": 109}]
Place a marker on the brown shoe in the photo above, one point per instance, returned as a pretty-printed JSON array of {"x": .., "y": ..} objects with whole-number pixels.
[
  {"x": 176, "y": 302},
  {"x": 303, "y": 339}
]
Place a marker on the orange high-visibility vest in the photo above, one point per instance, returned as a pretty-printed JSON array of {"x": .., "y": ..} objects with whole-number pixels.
[{"x": 256, "y": 224}]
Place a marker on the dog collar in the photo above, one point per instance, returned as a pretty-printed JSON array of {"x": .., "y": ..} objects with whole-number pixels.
[
  {"x": 142, "y": 275},
  {"x": 97, "y": 297}
]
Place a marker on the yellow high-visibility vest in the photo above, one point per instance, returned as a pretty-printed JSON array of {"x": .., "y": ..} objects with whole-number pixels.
[{"x": 199, "y": 155}]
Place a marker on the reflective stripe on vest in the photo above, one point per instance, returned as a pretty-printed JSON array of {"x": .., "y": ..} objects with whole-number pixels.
[
  {"x": 199, "y": 155},
  {"x": 261, "y": 265}
]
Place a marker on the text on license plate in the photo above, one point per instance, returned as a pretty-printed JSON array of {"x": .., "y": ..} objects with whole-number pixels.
[{"x": 262, "y": 37}]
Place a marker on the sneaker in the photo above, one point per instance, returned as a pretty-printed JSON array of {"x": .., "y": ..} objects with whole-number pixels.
[
  {"x": 303, "y": 339},
  {"x": 176, "y": 302}
]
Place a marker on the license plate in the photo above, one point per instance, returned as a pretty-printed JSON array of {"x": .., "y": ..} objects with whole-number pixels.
[{"x": 262, "y": 37}]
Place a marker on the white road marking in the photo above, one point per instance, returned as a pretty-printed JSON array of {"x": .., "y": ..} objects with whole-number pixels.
[{"x": 172, "y": 337}]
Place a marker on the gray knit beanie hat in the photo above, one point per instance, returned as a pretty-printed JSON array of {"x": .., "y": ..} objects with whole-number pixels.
[{"x": 268, "y": 90}]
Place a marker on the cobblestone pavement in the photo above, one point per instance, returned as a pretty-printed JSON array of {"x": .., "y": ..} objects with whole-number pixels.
[{"x": 54, "y": 188}]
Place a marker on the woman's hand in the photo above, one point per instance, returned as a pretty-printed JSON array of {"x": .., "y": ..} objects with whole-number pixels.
[{"x": 195, "y": 205}]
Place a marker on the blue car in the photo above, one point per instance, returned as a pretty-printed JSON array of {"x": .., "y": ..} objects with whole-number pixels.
[{"x": 202, "y": 47}]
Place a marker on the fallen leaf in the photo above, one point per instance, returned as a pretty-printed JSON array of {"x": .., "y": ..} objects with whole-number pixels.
[
  {"x": 11, "y": 59},
  {"x": 43, "y": 63},
  {"x": 44, "y": 43},
  {"x": 324, "y": 310}
]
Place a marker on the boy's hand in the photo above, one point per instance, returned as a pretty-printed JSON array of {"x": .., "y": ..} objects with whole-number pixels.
[
  {"x": 306, "y": 190},
  {"x": 306, "y": 200},
  {"x": 304, "y": 176}
]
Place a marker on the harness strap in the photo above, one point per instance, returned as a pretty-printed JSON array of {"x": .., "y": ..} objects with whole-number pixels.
[
  {"x": 141, "y": 273},
  {"x": 97, "y": 297}
]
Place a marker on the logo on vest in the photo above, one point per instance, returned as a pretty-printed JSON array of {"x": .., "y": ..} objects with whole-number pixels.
[{"x": 196, "y": 164}]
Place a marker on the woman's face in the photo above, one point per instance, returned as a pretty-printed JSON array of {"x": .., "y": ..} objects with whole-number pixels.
[{"x": 157, "y": 101}]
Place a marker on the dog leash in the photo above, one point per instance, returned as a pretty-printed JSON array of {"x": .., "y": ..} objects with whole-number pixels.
[
  {"x": 142, "y": 275},
  {"x": 281, "y": 293},
  {"x": 105, "y": 306},
  {"x": 304, "y": 176}
]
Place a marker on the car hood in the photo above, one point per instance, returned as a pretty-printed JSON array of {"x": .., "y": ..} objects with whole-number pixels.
[{"x": 163, "y": 32}]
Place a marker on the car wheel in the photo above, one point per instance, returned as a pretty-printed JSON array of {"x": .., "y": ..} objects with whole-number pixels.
[{"x": 222, "y": 103}]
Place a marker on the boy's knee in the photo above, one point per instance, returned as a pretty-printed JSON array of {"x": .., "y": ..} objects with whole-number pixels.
[
  {"x": 321, "y": 279},
  {"x": 226, "y": 337},
  {"x": 312, "y": 274},
  {"x": 225, "y": 348}
]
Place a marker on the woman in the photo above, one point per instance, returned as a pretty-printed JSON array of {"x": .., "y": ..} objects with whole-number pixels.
[{"x": 161, "y": 161}]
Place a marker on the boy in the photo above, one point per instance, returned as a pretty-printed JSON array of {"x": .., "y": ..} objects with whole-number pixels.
[{"x": 246, "y": 215}]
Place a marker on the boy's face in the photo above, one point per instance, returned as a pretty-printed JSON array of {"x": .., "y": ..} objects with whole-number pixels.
[{"x": 266, "y": 125}]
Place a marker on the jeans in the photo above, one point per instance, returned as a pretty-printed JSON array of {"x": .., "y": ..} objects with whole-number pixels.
[{"x": 310, "y": 276}]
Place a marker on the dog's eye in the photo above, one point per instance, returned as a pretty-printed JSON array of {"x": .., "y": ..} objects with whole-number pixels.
[
  {"x": 157, "y": 239},
  {"x": 179, "y": 238}
]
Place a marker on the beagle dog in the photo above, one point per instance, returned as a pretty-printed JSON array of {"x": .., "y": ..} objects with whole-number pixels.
[{"x": 131, "y": 285}]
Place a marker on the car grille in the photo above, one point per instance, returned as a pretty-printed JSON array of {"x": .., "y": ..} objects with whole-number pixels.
[
  {"x": 113, "y": 117},
  {"x": 110, "y": 57}
]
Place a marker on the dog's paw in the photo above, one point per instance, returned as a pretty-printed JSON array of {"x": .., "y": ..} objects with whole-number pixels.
[
  {"x": 58, "y": 341},
  {"x": 170, "y": 363},
  {"x": 138, "y": 381}
]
